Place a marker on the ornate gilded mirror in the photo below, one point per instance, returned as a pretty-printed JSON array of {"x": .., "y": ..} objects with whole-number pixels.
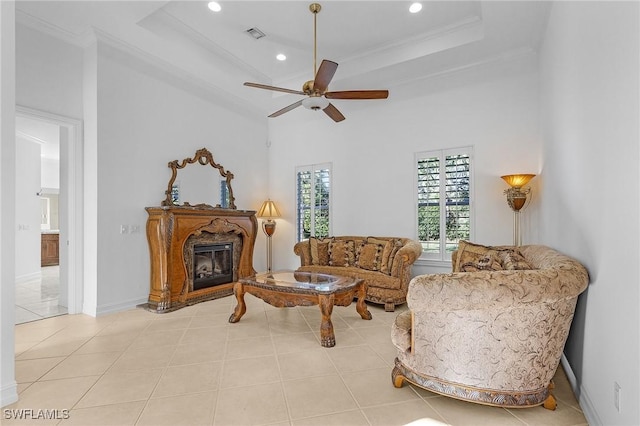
[{"x": 195, "y": 187}]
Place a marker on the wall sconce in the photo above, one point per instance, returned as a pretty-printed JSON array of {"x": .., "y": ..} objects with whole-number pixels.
[
  {"x": 517, "y": 198},
  {"x": 268, "y": 211}
]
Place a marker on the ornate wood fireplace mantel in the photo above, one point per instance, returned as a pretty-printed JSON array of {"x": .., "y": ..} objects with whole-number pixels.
[{"x": 169, "y": 228}]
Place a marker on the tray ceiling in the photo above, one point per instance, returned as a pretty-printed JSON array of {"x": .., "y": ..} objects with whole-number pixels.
[{"x": 371, "y": 40}]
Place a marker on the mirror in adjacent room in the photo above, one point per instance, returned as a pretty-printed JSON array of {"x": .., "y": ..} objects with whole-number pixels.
[
  {"x": 49, "y": 209},
  {"x": 199, "y": 182}
]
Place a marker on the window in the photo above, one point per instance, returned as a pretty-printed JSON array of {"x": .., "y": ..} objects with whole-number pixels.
[
  {"x": 444, "y": 184},
  {"x": 313, "y": 200}
]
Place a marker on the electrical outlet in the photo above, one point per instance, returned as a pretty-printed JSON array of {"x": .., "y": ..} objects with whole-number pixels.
[
  {"x": 124, "y": 229},
  {"x": 616, "y": 395}
]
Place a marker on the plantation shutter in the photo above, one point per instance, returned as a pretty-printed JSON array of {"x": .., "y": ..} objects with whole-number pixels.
[
  {"x": 443, "y": 201},
  {"x": 313, "y": 201}
]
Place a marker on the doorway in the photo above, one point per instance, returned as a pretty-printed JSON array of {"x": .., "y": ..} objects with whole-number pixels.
[
  {"x": 49, "y": 237},
  {"x": 39, "y": 290}
]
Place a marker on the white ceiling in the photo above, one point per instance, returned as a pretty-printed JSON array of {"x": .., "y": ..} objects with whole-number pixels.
[{"x": 378, "y": 44}]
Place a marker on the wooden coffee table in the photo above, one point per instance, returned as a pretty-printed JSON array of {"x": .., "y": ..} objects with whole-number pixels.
[{"x": 289, "y": 288}]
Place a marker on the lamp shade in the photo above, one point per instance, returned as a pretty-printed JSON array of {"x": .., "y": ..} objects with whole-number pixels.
[
  {"x": 268, "y": 210},
  {"x": 517, "y": 181}
]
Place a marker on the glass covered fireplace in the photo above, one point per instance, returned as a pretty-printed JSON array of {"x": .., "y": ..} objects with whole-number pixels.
[{"x": 212, "y": 265}]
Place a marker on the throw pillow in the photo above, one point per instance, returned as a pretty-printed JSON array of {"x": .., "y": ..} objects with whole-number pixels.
[
  {"x": 319, "y": 250},
  {"x": 389, "y": 254},
  {"x": 470, "y": 253},
  {"x": 341, "y": 253},
  {"x": 386, "y": 250},
  {"x": 487, "y": 262},
  {"x": 368, "y": 256},
  {"x": 513, "y": 260}
]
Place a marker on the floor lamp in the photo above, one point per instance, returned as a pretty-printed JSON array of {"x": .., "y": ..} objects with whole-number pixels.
[
  {"x": 268, "y": 211},
  {"x": 517, "y": 198}
]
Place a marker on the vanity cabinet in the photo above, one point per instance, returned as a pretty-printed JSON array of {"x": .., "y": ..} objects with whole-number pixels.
[{"x": 50, "y": 250}]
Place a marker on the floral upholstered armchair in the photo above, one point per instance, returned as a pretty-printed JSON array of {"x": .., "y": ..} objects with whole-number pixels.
[{"x": 494, "y": 334}]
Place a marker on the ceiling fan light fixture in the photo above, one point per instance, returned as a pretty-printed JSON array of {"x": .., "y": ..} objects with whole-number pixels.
[
  {"x": 315, "y": 103},
  {"x": 316, "y": 90}
]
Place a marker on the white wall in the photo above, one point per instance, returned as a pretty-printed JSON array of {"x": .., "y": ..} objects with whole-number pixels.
[
  {"x": 50, "y": 185},
  {"x": 589, "y": 210},
  {"x": 136, "y": 119},
  {"x": 50, "y": 177},
  {"x": 493, "y": 109},
  {"x": 48, "y": 73},
  {"x": 90, "y": 178},
  {"x": 143, "y": 122},
  {"x": 8, "y": 386},
  {"x": 27, "y": 209}
]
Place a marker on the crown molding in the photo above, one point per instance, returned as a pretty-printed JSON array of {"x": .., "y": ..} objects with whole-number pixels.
[
  {"x": 422, "y": 40},
  {"x": 466, "y": 30},
  {"x": 512, "y": 63},
  {"x": 203, "y": 88},
  {"x": 502, "y": 58},
  {"x": 183, "y": 78},
  {"x": 200, "y": 39},
  {"x": 35, "y": 23}
]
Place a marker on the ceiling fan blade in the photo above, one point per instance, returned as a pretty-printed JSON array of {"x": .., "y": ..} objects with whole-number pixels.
[
  {"x": 277, "y": 89},
  {"x": 286, "y": 109},
  {"x": 333, "y": 112},
  {"x": 358, "y": 94},
  {"x": 324, "y": 75}
]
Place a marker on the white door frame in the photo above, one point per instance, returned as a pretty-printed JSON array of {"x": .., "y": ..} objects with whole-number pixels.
[{"x": 71, "y": 154}]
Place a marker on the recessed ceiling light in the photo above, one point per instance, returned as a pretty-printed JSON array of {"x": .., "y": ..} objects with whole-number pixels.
[
  {"x": 415, "y": 8},
  {"x": 215, "y": 6},
  {"x": 281, "y": 57}
]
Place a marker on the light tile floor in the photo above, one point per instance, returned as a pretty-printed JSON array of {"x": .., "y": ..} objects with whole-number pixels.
[
  {"x": 192, "y": 367},
  {"x": 39, "y": 298}
]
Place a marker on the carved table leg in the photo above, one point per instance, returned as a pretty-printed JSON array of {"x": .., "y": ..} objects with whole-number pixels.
[
  {"x": 241, "y": 307},
  {"x": 327, "y": 336},
  {"x": 361, "y": 307}
]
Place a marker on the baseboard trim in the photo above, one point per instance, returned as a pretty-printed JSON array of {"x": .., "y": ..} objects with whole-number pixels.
[
  {"x": 111, "y": 308},
  {"x": 9, "y": 394},
  {"x": 581, "y": 394}
]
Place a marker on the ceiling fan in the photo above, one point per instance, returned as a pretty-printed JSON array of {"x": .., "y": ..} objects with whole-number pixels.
[{"x": 316, "y": 89}]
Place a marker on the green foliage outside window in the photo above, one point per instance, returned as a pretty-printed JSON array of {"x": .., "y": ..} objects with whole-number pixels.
[
  {"x": 313, "y": 188},
  {"x": 453, "y": 209}
]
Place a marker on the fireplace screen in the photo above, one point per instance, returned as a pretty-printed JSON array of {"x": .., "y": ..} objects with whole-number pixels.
[{"x": 212, "y": 265}]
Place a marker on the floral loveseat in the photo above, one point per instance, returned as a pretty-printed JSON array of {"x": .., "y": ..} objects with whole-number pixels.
[
  {"x": 490, "y": 335},
  {"x": 383, "y": 262}
]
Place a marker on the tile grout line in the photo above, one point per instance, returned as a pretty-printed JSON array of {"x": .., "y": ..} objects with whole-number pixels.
[
  {"x": 64, "y": 330},
  {"x": 223, "y": 363},
  {"x": 282, "y": 387},
  {"x": 106, "y": 369}
]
